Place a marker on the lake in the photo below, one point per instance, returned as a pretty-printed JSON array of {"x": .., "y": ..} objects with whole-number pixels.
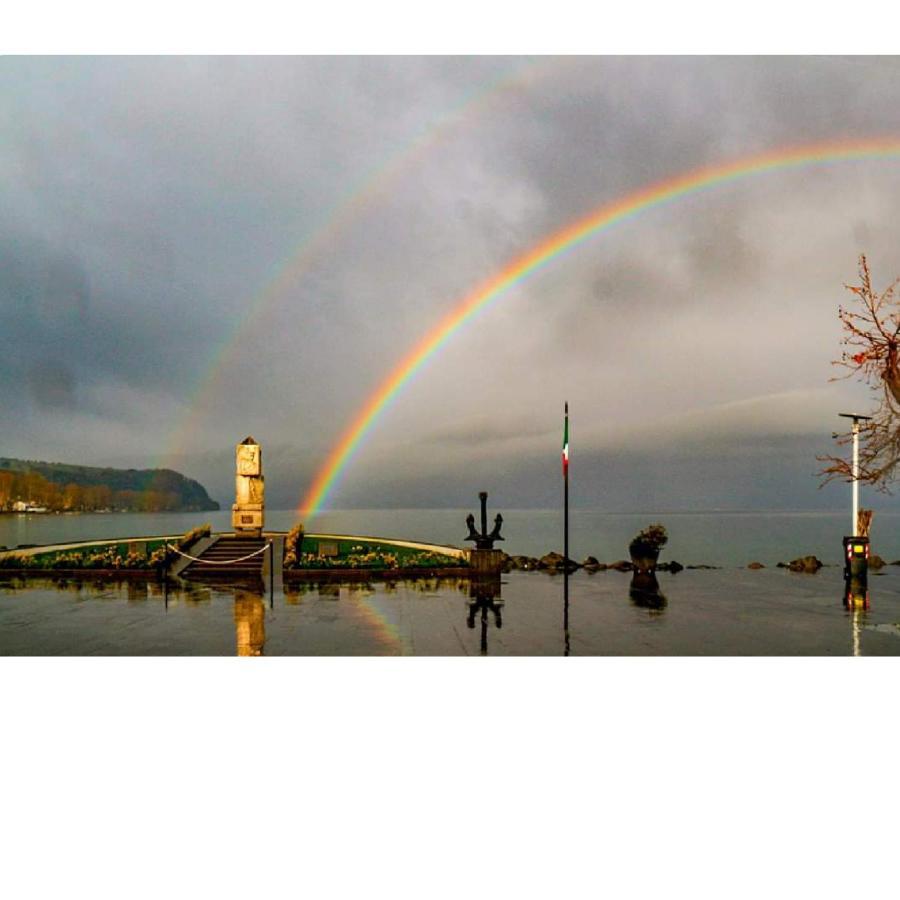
[
  {"x": 721, "y": 539},
  {"x": 726, "y": 611}
]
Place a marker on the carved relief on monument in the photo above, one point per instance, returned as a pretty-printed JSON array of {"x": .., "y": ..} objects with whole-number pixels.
[
  {"x": 247, "y": 513},
  {"x": 248, "y": 458}
]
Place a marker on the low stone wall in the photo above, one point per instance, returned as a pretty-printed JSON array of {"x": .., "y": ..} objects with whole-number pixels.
[{"x": 335, "y": 573}]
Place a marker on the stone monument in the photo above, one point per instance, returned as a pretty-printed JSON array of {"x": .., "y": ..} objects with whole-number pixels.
[{"x": 248, "y": 511}]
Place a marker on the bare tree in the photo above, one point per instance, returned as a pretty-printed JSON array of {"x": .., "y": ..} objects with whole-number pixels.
[{"x": 872, "y": 354}]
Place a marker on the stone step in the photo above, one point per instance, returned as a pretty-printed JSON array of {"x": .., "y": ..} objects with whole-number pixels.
[{"x": 228, "y": 548}]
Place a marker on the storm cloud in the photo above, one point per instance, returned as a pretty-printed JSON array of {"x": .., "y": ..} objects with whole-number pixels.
[{"x": 330, "y": 211}]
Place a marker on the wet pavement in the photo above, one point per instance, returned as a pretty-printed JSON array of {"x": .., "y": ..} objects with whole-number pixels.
[{"x": 731, "y": 612}]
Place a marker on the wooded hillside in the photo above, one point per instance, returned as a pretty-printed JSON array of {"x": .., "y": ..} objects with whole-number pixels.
[{"x": 61, "y": 486}]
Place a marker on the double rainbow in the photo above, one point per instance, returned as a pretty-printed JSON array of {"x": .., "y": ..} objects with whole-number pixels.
[
  {"x": 553, "y": 247},
  {"x": 348, "y": 212}
]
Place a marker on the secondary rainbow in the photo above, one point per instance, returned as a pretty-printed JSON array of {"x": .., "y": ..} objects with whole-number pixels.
[
  {"x": 562, "y": 241},
  {"x": 344, "y": 216}
]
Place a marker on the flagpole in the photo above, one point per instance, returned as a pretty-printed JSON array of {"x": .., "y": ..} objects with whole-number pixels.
[{"x": 566, "y": 527}]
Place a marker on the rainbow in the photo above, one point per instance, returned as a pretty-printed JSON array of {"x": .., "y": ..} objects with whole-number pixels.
[
  {"x": 552, "y": 248},
  {"x": 347, "y": 212}
]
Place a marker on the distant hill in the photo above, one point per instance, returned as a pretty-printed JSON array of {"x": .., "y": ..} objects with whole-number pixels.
[{"x": 65, "y": 486}]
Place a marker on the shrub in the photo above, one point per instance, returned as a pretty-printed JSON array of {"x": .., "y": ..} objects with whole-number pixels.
[
  {"x": 163, "y": 556},
  {"x": 194, "y": 535},
  {"x": 649, "y": 541},
  {"x": 293, "y": 544}
]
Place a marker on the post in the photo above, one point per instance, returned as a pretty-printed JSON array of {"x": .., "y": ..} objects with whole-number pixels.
[
  {"x": 271, "y": 573},
  {"x": 855, "y": 528},
  {"x": 856, "y": 546},
  {"x": 566, "y": 518}
]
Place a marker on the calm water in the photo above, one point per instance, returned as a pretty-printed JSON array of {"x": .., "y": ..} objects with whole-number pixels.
[
  {"x": 727, "y": 612},
  {"x": 726, "y": 539},
  {"x": 730, "y": 611}
]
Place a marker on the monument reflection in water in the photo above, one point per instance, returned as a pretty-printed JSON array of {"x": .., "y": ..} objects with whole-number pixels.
[{"x": 249, "y": 623}]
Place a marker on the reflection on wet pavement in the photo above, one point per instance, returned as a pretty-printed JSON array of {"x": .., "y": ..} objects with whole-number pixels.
[{"x": 722, "y": 612}]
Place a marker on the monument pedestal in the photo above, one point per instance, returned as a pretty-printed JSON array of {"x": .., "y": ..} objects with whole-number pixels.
[
  {"x": 247, "y": 518},
  {"x": 486, "y": 562}
]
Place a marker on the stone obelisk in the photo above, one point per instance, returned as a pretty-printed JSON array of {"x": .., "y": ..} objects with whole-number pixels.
[{"x": 248, "y": 511}]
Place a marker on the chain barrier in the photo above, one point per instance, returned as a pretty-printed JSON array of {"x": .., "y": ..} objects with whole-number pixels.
[{"x": 220, "y": 562}]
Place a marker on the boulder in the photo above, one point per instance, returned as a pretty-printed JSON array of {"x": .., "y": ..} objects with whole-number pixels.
[
  {"x": 876, "y": 562},
  {"x": 554, "y": 561},
  {"x": 551, "y": 560},
  {"x": 623, "y": 565},
  {"x": 673, "y": 566},
  {"x": 809, "y": 564},
  {"x": 591, "y": 563},
  {"x": 758, "y": 565}
]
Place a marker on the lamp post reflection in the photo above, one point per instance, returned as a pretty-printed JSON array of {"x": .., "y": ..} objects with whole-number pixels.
[
  {"x": 249, "y": 623},
  {"x": 484, "y": 597},
  {"x": 856, "y": 600}
]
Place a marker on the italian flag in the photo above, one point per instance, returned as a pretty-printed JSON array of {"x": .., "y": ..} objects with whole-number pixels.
[{"x": 565, "y": 449}]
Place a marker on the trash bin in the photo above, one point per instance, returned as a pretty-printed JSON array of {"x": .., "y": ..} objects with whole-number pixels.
[{"x": 856, "y": 557}]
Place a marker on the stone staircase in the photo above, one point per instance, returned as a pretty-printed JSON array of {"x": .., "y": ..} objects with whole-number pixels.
[{"x": 229, "y": 547}]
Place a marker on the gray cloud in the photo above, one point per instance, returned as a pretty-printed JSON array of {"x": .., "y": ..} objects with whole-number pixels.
[{"x": 152, "y": 206}]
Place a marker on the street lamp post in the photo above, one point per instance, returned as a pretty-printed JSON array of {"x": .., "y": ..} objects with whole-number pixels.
[
  {"x": 856, "y": 547},
  {"x": 854, "y": 472}
]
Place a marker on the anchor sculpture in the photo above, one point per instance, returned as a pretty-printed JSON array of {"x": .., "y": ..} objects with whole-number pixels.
[
  {"x": 483, "y": 540},
  {"x": 484, "y": 559}
]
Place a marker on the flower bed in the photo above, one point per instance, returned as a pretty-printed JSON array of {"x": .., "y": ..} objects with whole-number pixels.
[
  {"x": 372, "y": 555},
  {"x": 108, "y": 557}
]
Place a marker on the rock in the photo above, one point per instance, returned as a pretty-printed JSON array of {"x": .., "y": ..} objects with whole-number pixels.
[
  {"x": 876, "y": 562},
  {"x": 781, "y": 565},
  {"x": 809, "y": 564},
  {"x": 623, "y": 565},
  {"x": 704, "y": 567},
  {"x": 591, "y": 563},
  {"x": 551, "y": 560},
  {"x": 522, "y": 562},
  {"x": 758, "y": 565},
  {"x": 673, "y": 567},
  {"x": 554, "y": 561}
]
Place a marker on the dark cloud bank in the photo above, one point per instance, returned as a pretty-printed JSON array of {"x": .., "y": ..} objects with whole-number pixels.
[{"x": 148, "y": 202}]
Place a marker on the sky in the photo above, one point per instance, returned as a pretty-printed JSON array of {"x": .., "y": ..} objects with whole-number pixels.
[{"x": 194, "y": 249}]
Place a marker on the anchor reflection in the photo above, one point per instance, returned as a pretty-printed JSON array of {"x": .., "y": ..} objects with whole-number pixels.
[
  {"x": 485, "y": 597},
  {"x": 249, "y": 623},
  {"x": 644, "y": 592}
]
